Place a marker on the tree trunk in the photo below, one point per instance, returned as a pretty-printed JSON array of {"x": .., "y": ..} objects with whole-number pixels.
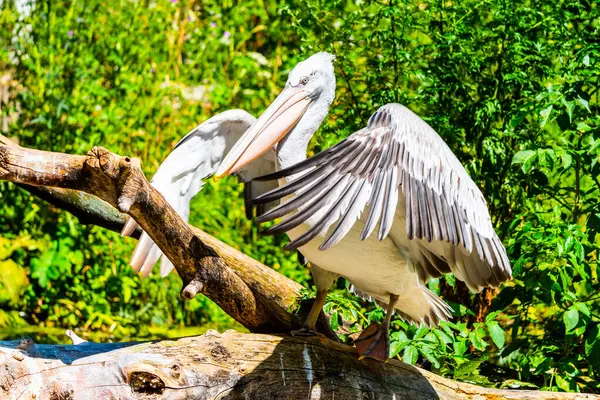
[
  {"x": 229, "y": 366},
  {"x": 224, "y": 366}
]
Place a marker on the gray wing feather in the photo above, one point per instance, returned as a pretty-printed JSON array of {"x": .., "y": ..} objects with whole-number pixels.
[
  {"x": 346, "y": 221},
  {"x": 376, "y": 207},
  {"x": 443, "y": 208},
  {"x": 325, "y": 221}
]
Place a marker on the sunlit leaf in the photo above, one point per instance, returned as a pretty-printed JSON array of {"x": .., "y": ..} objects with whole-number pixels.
[
  {"x": 496, "y": 333},
  {"x": 334, "y": 321},
  {"x": 579, "y": 250},
  {"x": 477, "y": 341},
  {"x": 410, "y": 355},
  {"x": 428, "y": 353},
  {"x": 523, "y": 157},
  {"x": 545, "y": 115},
  {"x": 584, "y": 103},
  {"x": 571, "y": 318}
]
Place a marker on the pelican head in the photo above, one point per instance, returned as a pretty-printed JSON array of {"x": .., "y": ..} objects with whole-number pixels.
[
  {"x": 315, "y": 76},
  {"x": 301, "y": 106}
]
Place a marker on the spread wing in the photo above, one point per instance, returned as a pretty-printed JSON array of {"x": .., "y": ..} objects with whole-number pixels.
[
  {"x": 447, "y": 221},
  {"x": 180, "y": 177}
]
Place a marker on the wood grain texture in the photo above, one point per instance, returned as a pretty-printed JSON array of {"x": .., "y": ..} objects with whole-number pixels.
[{"x": 224, "y": 366}]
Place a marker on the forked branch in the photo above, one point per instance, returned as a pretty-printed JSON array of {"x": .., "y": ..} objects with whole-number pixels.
[{"x": 253, "y": 294}]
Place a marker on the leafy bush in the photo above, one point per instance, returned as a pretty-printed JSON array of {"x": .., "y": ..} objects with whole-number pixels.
[{"x": 511, "y": 86}]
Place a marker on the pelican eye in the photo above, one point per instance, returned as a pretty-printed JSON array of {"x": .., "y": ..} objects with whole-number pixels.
[{"x": 304, "y": 80}]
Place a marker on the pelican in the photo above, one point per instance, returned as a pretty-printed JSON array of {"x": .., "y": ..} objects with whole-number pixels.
[
  {"x": 180, "y": 177},
  {"x": 397, "y": 173}
]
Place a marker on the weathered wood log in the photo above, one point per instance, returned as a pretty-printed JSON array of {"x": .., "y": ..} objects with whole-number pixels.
[
  {"x": 252, "y": 293},
  {"x": 224, "y": 366}
]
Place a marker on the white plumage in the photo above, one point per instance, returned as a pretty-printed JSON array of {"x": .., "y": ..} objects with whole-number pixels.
[
  {"x": 399, "y": 174},
  {"x": 180, "y": 177},
  {"x": 387, "y": 208}
]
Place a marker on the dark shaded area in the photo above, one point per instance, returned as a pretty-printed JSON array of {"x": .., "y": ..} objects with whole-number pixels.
[{"x": 89, "y": 209}]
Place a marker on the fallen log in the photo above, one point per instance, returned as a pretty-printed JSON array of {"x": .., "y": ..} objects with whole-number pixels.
[{"x": 231, "y": 365}]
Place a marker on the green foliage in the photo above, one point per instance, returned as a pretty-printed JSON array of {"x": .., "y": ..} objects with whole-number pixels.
[{"x": 511, "y": 86}]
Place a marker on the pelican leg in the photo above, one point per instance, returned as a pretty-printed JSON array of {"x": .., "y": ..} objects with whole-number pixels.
[
  {"x": 374, "y": 341},
  {"x": 309, "y": 328}
]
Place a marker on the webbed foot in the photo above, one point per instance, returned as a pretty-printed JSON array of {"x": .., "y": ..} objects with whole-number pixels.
[{"x": 374, "y": 342}]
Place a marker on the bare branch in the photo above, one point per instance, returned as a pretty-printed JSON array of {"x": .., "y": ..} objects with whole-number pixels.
[{"x": 253, "y": 294}]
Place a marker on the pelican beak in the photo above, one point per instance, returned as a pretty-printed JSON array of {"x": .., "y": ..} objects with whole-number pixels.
[{"x": 272, "y": 126}]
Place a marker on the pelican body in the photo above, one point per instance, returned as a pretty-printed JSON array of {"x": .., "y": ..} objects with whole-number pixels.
[{"x": 387, "y": 208}]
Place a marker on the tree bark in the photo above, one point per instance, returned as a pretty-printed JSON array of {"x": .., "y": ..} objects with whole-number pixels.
[
  {"x": 95, "y": 186},
  {"x": 228, "y": 366},
  {"x": 224, "y": 366}
]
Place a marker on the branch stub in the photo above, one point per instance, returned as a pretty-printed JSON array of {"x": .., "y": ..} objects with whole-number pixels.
[{"x": 192, "y": 289}]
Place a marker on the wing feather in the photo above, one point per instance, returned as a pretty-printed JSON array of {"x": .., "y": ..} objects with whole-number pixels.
[
  {"x": 348, "y": 218},
  {"x": 389, "y": 205},
  {"x": 375, "y": 210},
  {"x": 443, "y": 210},
  {"x": 325, "y": 220},
  {"x": 309, "y": 210},
  {"x": 305, "y": 195},
  {"x": 195, "y": 157}
]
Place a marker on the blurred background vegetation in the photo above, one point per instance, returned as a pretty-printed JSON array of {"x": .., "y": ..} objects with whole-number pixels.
[{"x": 512, "y": 86}]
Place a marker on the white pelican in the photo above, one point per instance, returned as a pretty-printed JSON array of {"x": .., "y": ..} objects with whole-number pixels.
[
  {"x": 432, "y": 217},
  {"x": 180, "y": 177}
]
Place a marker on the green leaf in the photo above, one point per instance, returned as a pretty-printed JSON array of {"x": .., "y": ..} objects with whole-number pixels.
[
  {"x": 592, "y": 341},
  {"x": 492, "y": 316},
  {"x": 586, "y": 60},
  {"x": 460, "y": 348},
  {"x": 477, "y": 341},
  {"x": 545, "y": 115},
  {"x": 583, "y": 309},
  {"x": 399, "y": 341},
  {"x": 523, "y": 156},
  {"x": 566, "y": 159},
  {"x": 410, "y": 355},
  {"x": 564, "y": 382},
  {"x": 421, "y": 332},
  {"x": 427, "y": 352},
  {"x": 579, "y": 250},
  {"x": 569, "y": 106},
  {"x": 569, "y": 243},
  {"x": 584, "y": 103},
  {"x": 496, "y": 333},
  {"x": 397, "y": 346},
  {"x": 431, "y": 338},
  {"x": 443, "y": 336},
  {"x": 334, "y": 321},
  {"x": 583, "y": 127},
  {"x": 468, "y": 368},
  {"x": 571, "y": 318},
  {"x": 542, "y": 365}
]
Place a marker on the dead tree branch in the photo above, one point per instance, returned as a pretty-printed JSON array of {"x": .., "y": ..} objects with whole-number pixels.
[{"x": 253, "y": 294}]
